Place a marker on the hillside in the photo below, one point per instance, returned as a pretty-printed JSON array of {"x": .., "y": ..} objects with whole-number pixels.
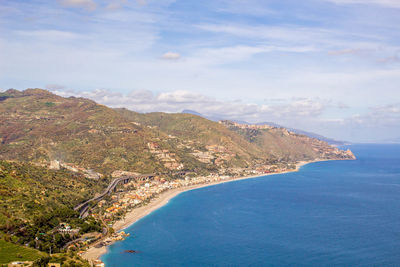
[
  {"x": 34, "y": 200},
  {"x": 261, "y": 144},
  {"x": 198, "y": 135},
  {"x": 95, "y": 140},
  {"x": 39, "y": 126},
  {"x": 285, "y": 145},
  {"x": 10, "y": 252},
  {"x": 330, "y": 141}
]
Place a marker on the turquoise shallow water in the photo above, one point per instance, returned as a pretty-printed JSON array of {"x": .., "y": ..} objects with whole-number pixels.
[{"x": 338, "y": 213}]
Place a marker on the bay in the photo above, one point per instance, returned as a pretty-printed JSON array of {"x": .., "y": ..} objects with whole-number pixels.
[{"x": 335, "y": 213}]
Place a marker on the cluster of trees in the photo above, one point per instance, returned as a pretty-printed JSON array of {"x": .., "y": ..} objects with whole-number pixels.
[
  {"x": 42, "y": 233},
  {"x": 35, "y": 200},
  {"x": 69, "y": 259}
]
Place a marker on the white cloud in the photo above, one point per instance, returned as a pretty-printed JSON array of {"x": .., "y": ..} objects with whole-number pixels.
[
  {"x": 301, "y": 113},
  {"x": 282, "y": 53},
  {"x": 385, "y": 3},
  {"x": 344, "y": 52},
  {"x": 388, "y": 115},
  {"x": 177, "y": 101},
  {"x": 377, "y": 123},
  {"x": 303, "y": 108},
  {"x": 182, "y": 97},
  {"x": 390, "y": 59},
  {"x": 243, "y": 7},
  {"x": 55, "y": 35},
  {"x": 206, "y": 57},
  {"x": 171, "y": 56},
  {"x": 55, "y": 87},
  {"x": 86, "y": 4},
  {"x": 258, "y": 32},
  {"x": 116, "y": 4},
  {"x": 141, "y": 2},
  {"x": 291, "y": 33},
  {"x": 315, "y": 39}
]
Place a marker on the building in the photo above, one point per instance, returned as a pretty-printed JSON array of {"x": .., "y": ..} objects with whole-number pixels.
[{"x": 20, "y": 263}]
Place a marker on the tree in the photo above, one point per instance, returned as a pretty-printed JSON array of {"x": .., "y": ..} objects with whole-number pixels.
[{"x": 42, "y": 262}]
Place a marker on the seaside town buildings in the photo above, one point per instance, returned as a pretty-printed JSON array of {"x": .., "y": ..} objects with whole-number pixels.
[{"x": 138, "y": 192}]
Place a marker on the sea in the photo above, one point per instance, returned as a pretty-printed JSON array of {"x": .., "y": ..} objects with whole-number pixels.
[{"x": 333, "y": 213}]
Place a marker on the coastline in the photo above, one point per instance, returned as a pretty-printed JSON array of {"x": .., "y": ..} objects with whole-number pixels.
[{"x": 136, "y": 214}]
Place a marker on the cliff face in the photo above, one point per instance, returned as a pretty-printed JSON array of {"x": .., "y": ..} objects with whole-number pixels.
[{"x": 40, "y": 127}]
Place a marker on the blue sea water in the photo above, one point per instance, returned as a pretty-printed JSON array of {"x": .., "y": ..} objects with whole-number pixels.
[{"x": 337, "y": 213}]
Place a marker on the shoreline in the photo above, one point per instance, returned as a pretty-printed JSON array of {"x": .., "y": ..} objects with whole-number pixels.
[{"x": 161, "y": 200}]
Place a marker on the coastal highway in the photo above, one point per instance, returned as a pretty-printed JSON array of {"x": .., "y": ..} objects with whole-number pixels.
[{"x": 84, "y": 206}]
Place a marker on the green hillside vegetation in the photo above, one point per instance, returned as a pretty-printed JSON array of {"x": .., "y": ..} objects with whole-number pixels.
[
  {"x": 283, "y": 145},
  {"x": 252, "y": 146},
  {"x": 34, "y": 200},
  {"x": 10, "y": 252},
  {"x": 38, "y": 126},
  {"x": 188, "y": 127},
  {"x": 200, "y": 131}
]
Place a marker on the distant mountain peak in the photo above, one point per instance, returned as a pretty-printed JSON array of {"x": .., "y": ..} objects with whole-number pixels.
[{"x": 193, "y": 112}]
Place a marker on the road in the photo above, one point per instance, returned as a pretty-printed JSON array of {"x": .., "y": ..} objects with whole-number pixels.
[{"x": 83, "y": 207}]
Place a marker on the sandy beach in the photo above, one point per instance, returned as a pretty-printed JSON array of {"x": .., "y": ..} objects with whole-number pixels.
[{"x": 138, "y": 213}]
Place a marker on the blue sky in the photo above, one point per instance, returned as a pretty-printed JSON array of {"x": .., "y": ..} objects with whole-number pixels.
[{"x": 328, "y": 66}]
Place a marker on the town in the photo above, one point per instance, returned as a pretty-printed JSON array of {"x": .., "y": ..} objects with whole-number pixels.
[{"x": 140, "y": 192}]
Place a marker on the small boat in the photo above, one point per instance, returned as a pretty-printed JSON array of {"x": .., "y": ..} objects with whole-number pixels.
[{"x": 131, "y": 251}]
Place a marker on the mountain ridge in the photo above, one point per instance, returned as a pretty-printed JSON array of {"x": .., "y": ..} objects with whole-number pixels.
[
  {"x": 39, "y": 126},
  {"x": 330, "y": 141}
]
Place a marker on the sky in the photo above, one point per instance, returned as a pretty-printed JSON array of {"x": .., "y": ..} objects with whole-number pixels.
[{"x": 326, "y": 66}]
